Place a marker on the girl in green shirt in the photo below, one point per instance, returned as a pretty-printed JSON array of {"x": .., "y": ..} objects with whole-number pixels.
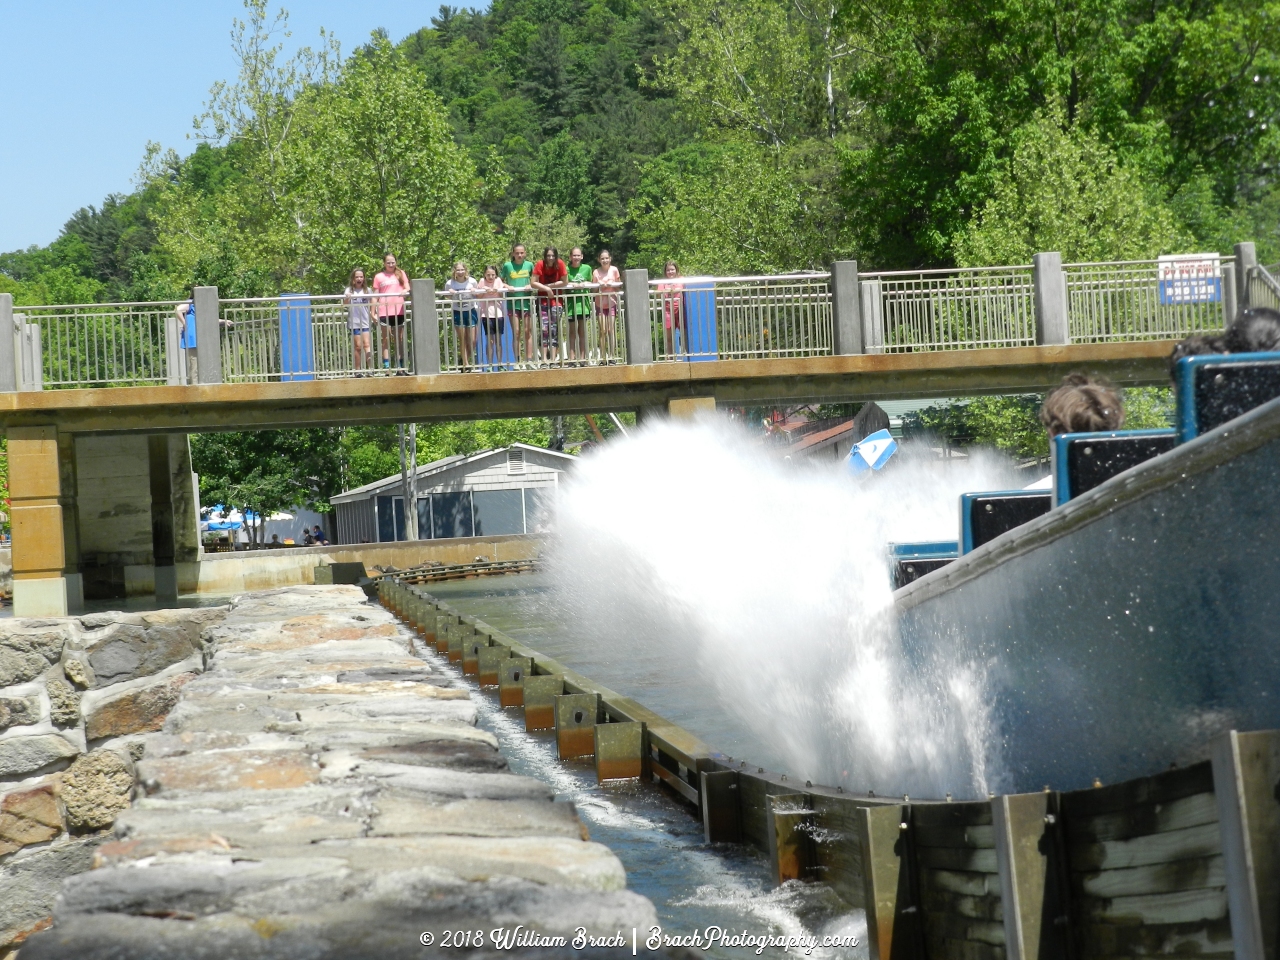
[
  {"x": 518, "y": 273},
  {"x": 578, "y": 307}
]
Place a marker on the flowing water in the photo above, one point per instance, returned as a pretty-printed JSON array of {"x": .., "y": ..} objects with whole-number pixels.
[{"x": 746, "y": 599}]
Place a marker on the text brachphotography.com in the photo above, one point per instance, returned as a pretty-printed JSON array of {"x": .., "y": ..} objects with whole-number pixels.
[{"x": 511, "y": 938}]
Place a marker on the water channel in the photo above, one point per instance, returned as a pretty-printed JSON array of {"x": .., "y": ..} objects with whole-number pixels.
[{"x": 657, "y": 837}]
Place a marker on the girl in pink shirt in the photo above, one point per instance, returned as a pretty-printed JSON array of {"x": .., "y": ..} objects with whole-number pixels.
[
  {"x": 391, "y": 285},
  {"x": 672, "y": 288}
]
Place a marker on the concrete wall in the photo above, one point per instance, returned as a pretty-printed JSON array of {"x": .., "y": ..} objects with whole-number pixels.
[
  {"x": 222, "y": 573},
  {"x": 113, "y": 508}
]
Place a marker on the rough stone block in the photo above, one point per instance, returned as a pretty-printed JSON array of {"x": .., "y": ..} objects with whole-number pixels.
[
  {"x": 46, "y": 641},
  {"x": 19, "y": 666},
  {"x": 129, "y": 652},
  {"x": 28, "y": 816},
  {"x": 23, "y": 756},
  {"x": 31, "y": 880},
  {"x": 64, "y": 703},
  {"x": 135, "y": 711},
  {"x": 400, "y": 815},
  {"x": 95, "y": 789},
  {"x": 230, "y": 770},
  {"x": 78, "y": 672},
  {"x": 19, "y": 711}
]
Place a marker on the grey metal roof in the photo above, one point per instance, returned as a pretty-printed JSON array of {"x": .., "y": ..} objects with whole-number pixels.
[{"x": 477, "y": 460}]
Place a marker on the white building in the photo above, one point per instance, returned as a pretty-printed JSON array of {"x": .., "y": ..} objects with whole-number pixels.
[{"x": 496, "y": 492}]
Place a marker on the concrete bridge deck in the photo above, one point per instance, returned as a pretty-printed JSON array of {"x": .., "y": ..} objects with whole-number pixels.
[{"x": 460, "y": 396}]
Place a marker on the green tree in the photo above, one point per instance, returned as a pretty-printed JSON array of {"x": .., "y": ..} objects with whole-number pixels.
[
  {"x": 561, "y": 176},
  {"x": 739, "y": 208},
  {"x": 543, "y": 225},
  {"x": 269, "y": 470},
  {"x": 1065, "y": 190},
  {"x": 1008, "y": 423}
]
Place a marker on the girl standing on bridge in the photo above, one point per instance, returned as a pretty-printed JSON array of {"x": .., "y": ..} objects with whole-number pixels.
[
  {"x": 517, "y": 274},
  {"x": 672, "y": 289},
  {"x": 489, "y": 294},
  {"x": 610, "y": 282},
  {"x": 462, "y": 285},
  {"x": 358, "y": 299},
  {"x": 549, "y": 275},
  {"x": 391, "y": 285}
]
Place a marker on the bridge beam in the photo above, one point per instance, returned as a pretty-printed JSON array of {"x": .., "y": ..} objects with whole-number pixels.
[
  {"x": 688, "y": 408},
  {"x": 39, "y": 588},
  {"x": 463, "y": 396}
]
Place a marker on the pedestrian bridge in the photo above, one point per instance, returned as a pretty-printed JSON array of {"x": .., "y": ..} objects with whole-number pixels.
[{"x": 843, "y": 335}]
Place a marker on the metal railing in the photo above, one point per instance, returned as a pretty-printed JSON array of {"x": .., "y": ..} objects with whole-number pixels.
[
  {"x": 1264, "y": 289},
  {"x": 949, "y": 309},
  {"x": 100, "y": 344},
  {"x": 1130, "y": 301},
  {"x": 733, "y": 318},
  {"x": 303, "y": 337},
  {"x": 583, "y": 325}
]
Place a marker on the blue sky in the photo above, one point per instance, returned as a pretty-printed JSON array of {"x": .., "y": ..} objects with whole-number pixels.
[{"x": 84, "y": 86}]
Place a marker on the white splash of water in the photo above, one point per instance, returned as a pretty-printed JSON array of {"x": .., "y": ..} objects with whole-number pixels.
[{"x": 692, "y": 551}]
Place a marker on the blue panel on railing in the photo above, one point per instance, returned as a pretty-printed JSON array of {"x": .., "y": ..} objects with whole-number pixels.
[
  {"x": 984, "y": 516},
  {"x": 1082, "y": 461},
  {"x": 297, "y": 346},
  {"x": 927, "y": 548},
  {"x": 501, "y": 330},
  {"x": 1217, "y": 387},
  {"x": 188, "y": 336},
  {"x": 700, "y": 320}
]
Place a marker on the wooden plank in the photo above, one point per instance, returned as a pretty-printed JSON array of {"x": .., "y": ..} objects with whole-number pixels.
[
  {"x": 977, "y": 837},
  {"x": 1210, "y": 938},
  {"x": 1146, "y": 819},
  {"x": 953, "y": 927},
  {"x": 971, "y": 884},
  {"x": 1181, "y": 907},
  {"x": 721, "y": 811},
  {"x": 1202, "y": 841},
  {"x": 1193, "y": 874},
  {"x": 1161, "y": 788},
  {"x": 975, "y": 813},
  {"x": 976, "y": 908},
  {"x": 957, "y": 858}
]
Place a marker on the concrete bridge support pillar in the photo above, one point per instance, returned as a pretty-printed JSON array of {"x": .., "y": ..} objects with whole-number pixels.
[
  {"x": 39, "y": 589},
  {"x": 635, "y": 300},
  {"x": 1052, "y": 325},
  {"x": 70, "y": 522},
  {"x": 8, "y": 358},
  {"x": 687, "y": 408},
  {"x": 426, "y": 328},
  {"x": 208, "y": 335},
  {"x": 163, "y": 546},
  {"x": 846, "y": 309},
  {"x": 1246, "y": 260}
]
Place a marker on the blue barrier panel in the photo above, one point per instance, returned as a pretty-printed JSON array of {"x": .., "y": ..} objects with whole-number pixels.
[
  {"x": 1082, "y": 461},
  {"x": 504, "y": 337},
  {"x": 911, "y": 561},
  {"x": 700, "y": 321},
  {"x": 187, "y": 335},
  {"x": 297, "y": 346},
  {"x": 1217, "y": 387},
  {"x": 984, "y": 516}
]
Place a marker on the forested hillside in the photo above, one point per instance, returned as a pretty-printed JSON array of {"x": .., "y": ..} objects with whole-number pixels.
[{"x": 729, "y": 134}]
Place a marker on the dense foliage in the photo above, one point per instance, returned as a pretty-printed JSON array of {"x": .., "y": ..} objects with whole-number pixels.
[{"x": 730, "y": 135}]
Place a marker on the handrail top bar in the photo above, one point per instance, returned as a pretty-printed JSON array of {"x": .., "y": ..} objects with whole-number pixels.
[
  {"x": 99, "y": 306},
  {"x": 815, "y": 275},
  {"x": 275, "y": 299},
  {"x": 1222, "y": 258},
  {"x": 938, "y": 271}
]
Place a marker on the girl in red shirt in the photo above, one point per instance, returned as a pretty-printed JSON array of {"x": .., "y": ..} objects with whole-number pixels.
[{"x": 549, "y": 275}]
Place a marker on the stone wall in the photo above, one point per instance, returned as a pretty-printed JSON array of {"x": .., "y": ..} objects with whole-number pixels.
[
  {"x": 75, "y": 694},
  {"x": 322, "y": 791}
]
